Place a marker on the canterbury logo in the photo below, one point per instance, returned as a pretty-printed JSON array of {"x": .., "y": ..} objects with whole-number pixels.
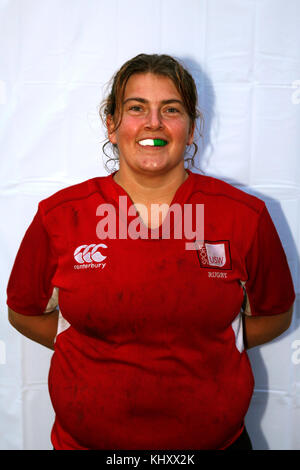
[{"x": 89, "y": 253}]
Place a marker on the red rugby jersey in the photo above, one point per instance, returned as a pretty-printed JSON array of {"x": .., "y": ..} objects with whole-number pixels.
[{"x": 150, "y": 356}]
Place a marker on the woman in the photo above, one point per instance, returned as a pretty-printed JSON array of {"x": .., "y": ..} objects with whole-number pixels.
[{"x": 147, "y": 350}]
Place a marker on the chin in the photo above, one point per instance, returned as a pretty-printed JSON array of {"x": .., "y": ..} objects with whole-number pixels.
[
  {"x": 153, "y": 168},
  {"x": 154, "y": 165}
]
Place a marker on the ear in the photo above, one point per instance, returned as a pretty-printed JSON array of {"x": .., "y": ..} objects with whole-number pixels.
[
  {"x": 191, "y": 134},
  {"x": 111, "y": 129}
]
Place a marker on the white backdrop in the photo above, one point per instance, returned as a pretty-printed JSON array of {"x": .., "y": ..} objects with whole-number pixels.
[{"x": 55, "y": 58}]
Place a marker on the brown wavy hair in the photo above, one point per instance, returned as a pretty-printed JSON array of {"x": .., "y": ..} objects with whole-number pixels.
[{"x": 158, "y": 64}]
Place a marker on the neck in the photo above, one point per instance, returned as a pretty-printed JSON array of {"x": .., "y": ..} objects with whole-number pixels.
[{"x": 150, "y": 189}]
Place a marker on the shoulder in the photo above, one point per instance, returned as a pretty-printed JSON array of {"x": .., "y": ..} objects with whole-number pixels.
[
  {"x": 74, "y": 194},
  {"x": 219, "y": 192}
]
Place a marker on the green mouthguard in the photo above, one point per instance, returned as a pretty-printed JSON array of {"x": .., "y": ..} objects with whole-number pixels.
[{"x": 159, "y": 142}]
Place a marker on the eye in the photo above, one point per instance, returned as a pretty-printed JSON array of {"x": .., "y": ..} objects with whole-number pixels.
[
  {"x": 135, "y": 108},
  {"x": 172, "y": 110}
]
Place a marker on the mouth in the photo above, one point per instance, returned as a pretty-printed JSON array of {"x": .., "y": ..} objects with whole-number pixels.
[{"x": 153, "y": 142}]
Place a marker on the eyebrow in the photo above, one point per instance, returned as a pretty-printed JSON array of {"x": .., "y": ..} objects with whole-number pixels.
[{"x": 142, "y": 100}]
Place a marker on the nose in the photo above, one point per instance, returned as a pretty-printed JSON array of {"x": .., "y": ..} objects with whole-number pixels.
[{"x": 154, "y": 119}]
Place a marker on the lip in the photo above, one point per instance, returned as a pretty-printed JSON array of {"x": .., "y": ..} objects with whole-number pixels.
[{"x": 162, "y": 137}]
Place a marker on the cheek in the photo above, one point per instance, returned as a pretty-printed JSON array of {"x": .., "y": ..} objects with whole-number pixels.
[
  {"x": 128, "y": 129},
  {"x": 180, "y": 131}
]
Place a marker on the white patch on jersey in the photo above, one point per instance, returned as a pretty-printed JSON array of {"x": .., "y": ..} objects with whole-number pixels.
[
  {"x": 237, "y": 326},
  {"x": 53, "y": 301},
  {"x": 62, "y": 324}
]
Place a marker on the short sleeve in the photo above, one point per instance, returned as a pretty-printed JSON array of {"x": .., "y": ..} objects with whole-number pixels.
[
  {"x": 30, "y": 284},
  {"x": 269, "y": 285}
]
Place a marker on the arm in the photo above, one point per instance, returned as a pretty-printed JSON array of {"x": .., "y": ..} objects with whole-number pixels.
[
  {"x": 39, "y": 328},
  {"x": 260, "y": 330}
]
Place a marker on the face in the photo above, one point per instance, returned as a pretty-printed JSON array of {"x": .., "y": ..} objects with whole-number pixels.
[{"x": 152, "y": 109}]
